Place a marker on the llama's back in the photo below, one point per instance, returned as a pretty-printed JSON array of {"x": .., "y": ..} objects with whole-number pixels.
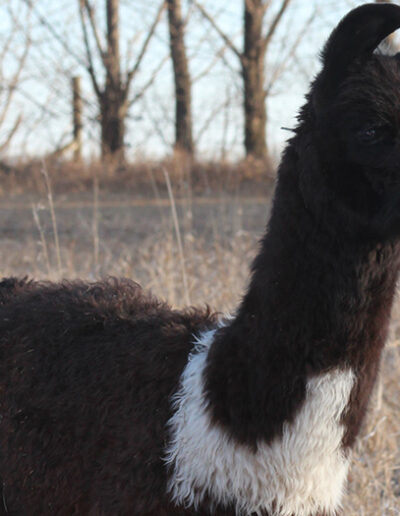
[
  {"x": 12, "y": 287},
  {"x": 85, "y": 376}
]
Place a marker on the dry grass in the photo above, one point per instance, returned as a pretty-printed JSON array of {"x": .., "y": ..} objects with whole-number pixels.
[
  {"x": 374, "y": 487},
  {"x": 217, "y": 272},
  {"x": 138, "y": 178}
]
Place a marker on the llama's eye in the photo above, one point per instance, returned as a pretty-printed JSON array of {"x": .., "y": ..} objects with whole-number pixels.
[
  {"x": 367, "y": 135},
  {"x": 371, "y": 135}
]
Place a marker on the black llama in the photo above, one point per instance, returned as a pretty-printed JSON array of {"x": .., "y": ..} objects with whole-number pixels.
[{"x": 113, "y": 404}]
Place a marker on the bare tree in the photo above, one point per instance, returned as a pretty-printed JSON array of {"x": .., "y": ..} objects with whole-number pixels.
[
  {"x": 9, "y": 83},
  {"x": 113, "y": 95},
  {"x": 252, "y": 59},
  {"x": 183, "y": 108}
]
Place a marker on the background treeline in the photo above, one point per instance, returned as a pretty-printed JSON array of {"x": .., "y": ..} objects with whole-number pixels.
[{"x": 146, "y": 79}]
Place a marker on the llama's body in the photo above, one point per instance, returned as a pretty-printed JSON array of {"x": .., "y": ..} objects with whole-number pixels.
[
  {"x": 111, "y": 403},
  {"x": 87, "y": 425}
]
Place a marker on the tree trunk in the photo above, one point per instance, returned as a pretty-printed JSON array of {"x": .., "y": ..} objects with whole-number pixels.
[
  {"x": 113, "y": 102},
  {"x": 183, "y": 114},
  {"x": 253, "y": 78},
  {"x": 112, "y": 120}
]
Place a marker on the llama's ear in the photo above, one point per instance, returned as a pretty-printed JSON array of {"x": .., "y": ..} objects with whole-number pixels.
[{"x": 355, "y": 38}]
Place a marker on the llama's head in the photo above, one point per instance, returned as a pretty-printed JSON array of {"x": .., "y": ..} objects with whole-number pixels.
[{"x": 352, "y": 125}]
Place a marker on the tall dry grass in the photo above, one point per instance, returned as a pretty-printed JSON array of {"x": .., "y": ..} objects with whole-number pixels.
[{"x": 215, "y": 272}]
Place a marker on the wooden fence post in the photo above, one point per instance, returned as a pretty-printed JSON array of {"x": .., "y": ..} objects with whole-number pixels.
[{"x": 77, "y": 117}]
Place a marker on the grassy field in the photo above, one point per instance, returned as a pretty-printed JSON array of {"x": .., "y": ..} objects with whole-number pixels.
[{"x": 194, "y": 249}]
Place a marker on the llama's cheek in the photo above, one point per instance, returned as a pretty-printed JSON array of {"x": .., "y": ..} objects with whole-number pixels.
[
  {"x": 303, "y": 472},
  {"x": 387, "y": 220}
]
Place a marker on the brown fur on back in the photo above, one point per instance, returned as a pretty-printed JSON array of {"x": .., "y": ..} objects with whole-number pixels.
[{"x": 85, "y": 396}]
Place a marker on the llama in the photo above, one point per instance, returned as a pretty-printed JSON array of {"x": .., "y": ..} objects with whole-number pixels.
[{"x": 112, "y": 403}]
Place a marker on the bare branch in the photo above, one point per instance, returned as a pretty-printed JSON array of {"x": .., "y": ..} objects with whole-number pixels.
[
  {"x": 212, "y": 22},
  {"x": 42, "y": 106},
  {"x": 61, "y": 150},
  {"x": 56, "y": 36},
  {"x": 265, "y": 6},
  {"x": 10, "y": 84},
  {"x": 290, "y": 55},
  {"x": 274, "y": 24},
  {"x": 211, "y": 118},
  {"x": 147, "y": 85},
  {"x": 130, "y": 44},
  {"x": 89, "y": 10},
  {"x": 6, "y": 46},
  {"x": 157, "y": 126},
  {"x": 218, "y": 55},
  {"x": 11, "y": 87},
  {"x": 131, "y": 74},
  {"x": 89, "y": 66},
  {"x": 11, "y": 133}
]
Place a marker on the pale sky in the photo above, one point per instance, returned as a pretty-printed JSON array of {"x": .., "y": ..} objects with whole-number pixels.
[{"x": 43, "y": 97}]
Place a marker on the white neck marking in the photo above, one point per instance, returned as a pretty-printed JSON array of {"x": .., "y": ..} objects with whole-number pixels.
[{"x": 301, "y": 473}]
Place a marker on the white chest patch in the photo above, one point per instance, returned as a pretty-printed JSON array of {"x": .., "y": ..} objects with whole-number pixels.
[{"x": 301, "y": 473}]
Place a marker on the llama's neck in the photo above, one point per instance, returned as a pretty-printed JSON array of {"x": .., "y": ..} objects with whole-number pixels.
[
  {"x": 268, "y": 402},
  {"x": 316, "y": 301}
]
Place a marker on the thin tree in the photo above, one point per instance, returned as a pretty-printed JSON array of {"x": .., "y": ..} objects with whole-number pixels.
[
  {"x": 252, "y": 59},
  {"x": 183, "y": 107},
  {"x": 113, "y": 94},
  {"x": 75, "y": 144}
]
